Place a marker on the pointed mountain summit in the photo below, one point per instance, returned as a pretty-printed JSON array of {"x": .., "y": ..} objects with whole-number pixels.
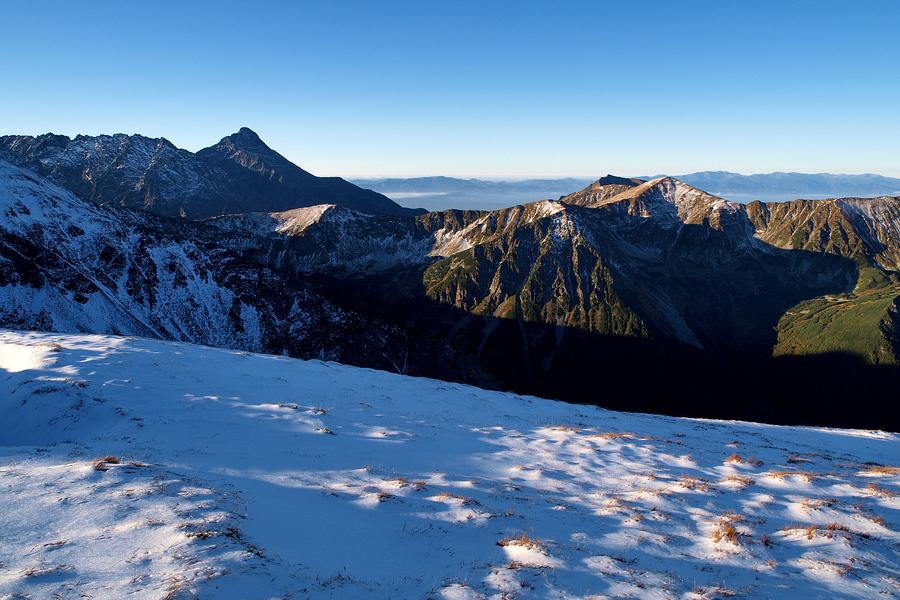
[{"x": 281, "y": 185}]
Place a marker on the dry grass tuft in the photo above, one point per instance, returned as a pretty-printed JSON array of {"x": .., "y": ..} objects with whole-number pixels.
[
  {"x": 742, "y": 480},
  {"x": 735, "y": 458},
  {"x": 101, "y": 463},
  {"x": 732, "y": 517},
  {"x": 835, "y": 526},
  {"x": 566, "y": 428},
  {"x": 46, "y": 569},
  {"x": 879, "y": 520},
  {"x": 522, "y": 540},
  {"x": 728, "y": 532},
  {"x": 695, "y": 483},
  {"x": 798, "y": 459},
  {"x": 612, "y": 435},
  {"x": 463, "y": 499},
  {"x": 880, "y": 491},
  {"x": 818, "y": 503},
  {"x": 880, "y": 470},
  {"x": 808, "y": 475},
  {"x": 197, "y": 530}
]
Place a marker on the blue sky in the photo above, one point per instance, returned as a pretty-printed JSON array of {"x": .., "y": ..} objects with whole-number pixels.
[{"x": 472, "y": 89}]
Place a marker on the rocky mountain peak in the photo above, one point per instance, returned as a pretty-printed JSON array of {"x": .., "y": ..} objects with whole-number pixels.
[
  {"x": 614, "y": 180},
  {"x": 670, "y": 196},
  {"x": 246, "y": 140}
]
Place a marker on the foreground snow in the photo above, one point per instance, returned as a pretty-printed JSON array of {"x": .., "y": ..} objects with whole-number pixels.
[{"x": 144, "y": 469}]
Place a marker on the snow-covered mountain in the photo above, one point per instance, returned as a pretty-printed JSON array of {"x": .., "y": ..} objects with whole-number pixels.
[
  {"x": 71, "y": 266},
  {"x": 134, "y": 468},
  {"x": 786, "y": 309},
  {"x": 239, "y": 174}
]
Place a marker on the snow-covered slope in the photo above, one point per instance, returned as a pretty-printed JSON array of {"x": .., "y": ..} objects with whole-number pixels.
[
  {"x": 147, "y": 469},
  {"x": 71, "y": 266}
]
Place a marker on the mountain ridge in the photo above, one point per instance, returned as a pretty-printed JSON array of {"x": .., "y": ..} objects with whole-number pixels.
[
  {"x": 152, "y": 174},
  {"x": 443, "y": 192},
  {"x": 71, "y": 266},
  {"x": 713, "y": 297},
  {"x": 535, "y": 289}
]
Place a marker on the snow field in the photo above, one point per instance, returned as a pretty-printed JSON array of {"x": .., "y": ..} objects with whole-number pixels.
[{"x": 138, "y": 468}]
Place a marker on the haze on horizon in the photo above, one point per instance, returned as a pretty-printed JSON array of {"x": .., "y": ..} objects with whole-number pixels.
[{"x": 475, "y": 90}]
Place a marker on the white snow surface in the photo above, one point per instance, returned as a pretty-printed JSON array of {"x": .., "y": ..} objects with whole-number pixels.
[{"x": 133, "y": 468}]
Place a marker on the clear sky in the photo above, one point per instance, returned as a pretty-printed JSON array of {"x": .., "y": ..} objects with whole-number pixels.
[{"x": 472, "y": 89}]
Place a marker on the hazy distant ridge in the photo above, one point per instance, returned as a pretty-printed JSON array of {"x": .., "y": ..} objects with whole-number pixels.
[
  {"x": 490, "y": 195},
  {"x": 793, "y": 185}
]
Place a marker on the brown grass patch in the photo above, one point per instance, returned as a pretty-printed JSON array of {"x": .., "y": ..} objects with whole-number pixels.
[
  {"x": 818, "y": 503},
  {"x": 831, "y": 528},
  {"x": 880, "y": 491},
  {"x": 694, "y": 483},
  {"x": 522, "y": 540},
  {"x": 728, "y": 532},
  {"x": 798, "y": 459},
  {"x": 612, "y": 435},
  {"x": 463, "y": 499},
  {"x": 808, "y": 475},
  {"x": 741, "y": 480},
  {"x": 566, "y": 428},
  {"x": 880, "y": 470},
  {"x": 101, "y": 463}
]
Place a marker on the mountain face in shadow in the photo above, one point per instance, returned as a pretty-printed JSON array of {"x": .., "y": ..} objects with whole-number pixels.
[
  {"x": 635, "y": 295},
  {"x": 240, "y": 174}
]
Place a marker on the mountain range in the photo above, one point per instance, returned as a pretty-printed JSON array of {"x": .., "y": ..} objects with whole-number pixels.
[
  {"x": 445, "y": 192},
  {"x": 239, "y": 174},
  {"x": 650, "y": 296},
  {"x": 791, "y": 186}
]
